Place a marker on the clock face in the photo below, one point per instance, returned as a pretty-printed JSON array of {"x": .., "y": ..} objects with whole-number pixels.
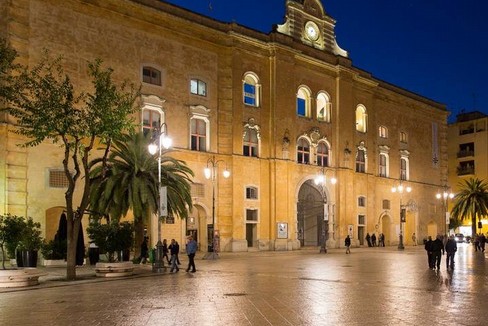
[{"x": 312, "y": 31}]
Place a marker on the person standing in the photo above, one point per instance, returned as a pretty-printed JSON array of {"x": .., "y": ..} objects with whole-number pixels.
[
  {"x": 414, "y": 239},
  {"x": 144, "y": 251},
  {"x": 482, "y": 242},
  {"x": 174, "y": 248},
  {"x": 373, "y": 239},
  {"x": 382, "y": 239},
  {"x": 368, "y": 239},
  {"x": 165, "y": 251},
  {"x": 437, "y": 252},
  {"x": 428, "y": 248},
  {"x": 347, "y": 243},
  {"x": 191, "y": 249},
  {"x": 451, "y": 248}
]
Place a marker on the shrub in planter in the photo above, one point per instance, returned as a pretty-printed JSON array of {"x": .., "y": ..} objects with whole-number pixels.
[
  {"x": 11, "y": 228},
  {"x": 30, "y": 242},
  {"x": 112, "y": 237},
  {"x": 54, "y": 249}
]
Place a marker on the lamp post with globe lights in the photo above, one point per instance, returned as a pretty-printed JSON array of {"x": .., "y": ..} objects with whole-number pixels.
[
  {"x": 211, "y": 174},
  {"x": 400, "y": 189},
  {"x": 321, "y": 181},
  {"x": 445, "y": 196},
  {"x": 163, "y": 141}
]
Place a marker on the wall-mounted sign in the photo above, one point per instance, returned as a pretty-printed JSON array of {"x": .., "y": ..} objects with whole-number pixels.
[{"x": 282, "y": 230}]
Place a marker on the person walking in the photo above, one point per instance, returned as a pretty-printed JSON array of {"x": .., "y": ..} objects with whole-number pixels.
[
  {"x": 191, "y": 249},
  {"x": 428, "y": 249},
  {"x": 451, "y": 248},
  {"x": 382, "y": 239},
  {"x": 347, "y": 243},
  {"x": 144, "y": 251},
  {"x": 165, "y": 251},
  {"x": 414, "y": 239},
  {"x": 174, "y": 248},
  {"x": 373, "y": 239},
  {"x": 482, "y": 242},
  {"x": 437, "y": 252}
]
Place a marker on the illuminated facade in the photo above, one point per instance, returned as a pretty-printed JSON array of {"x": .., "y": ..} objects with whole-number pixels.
[
  {"x": 278, "y": 109},
  {"x": 468, "y": 154}
]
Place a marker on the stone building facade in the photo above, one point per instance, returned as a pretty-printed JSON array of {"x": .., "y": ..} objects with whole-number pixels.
[{"x": 277, "y": 110}]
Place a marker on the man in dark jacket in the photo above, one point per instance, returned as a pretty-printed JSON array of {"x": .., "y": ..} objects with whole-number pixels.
[
  {"x": 428, "y": 248},
  {"x": 437, "y": 252},
  {"x": 451, "y": 248}
]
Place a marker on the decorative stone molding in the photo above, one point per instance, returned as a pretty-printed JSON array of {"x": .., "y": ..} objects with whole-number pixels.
[
  {"x": 114, "y": 269},
  {"x": 14, "y": 278}
]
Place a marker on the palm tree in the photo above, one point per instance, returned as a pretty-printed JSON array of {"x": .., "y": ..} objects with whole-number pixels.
[
  {"x": 471, "y": 201},
  {"x": 130, "y": 181}
]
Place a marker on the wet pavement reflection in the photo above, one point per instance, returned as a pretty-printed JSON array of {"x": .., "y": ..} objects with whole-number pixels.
[{"x": 381, "y": 286}]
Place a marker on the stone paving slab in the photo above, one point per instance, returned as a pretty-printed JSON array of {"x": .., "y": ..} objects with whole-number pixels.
[{"x": 380, "y": 286}]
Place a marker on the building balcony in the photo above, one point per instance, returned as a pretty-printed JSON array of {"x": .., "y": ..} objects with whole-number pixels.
[
  {"x": 465, "y": 170},
  {"x": 465, "y": 153}
]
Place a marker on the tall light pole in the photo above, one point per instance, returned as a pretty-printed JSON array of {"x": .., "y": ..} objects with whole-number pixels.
[
  {"x": 403, "y": 211},
  {"x": 211, "y": 174},
  {"x": 163, "y": 141},
  {"x": 445, "y": 196},
  {"x": 321, "y": 181}
]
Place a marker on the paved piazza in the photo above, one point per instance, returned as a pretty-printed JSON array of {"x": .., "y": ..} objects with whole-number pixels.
[{"x": 372, "y": 286}]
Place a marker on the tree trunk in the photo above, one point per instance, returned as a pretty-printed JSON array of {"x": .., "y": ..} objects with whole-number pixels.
[
  {"x": 73, "y": 231},
  {"x": 138, "y": 236}
]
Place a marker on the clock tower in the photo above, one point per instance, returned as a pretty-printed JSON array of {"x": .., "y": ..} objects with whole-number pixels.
[{"x": 307, "y": 21}]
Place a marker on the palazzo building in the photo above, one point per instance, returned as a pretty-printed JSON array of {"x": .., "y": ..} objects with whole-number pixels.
[{"x": 277, "y": 110}]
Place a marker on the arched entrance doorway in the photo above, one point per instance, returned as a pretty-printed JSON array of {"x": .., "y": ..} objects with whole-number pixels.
[
  {"x": 386, "y": 229},
  {"x": 310, "y": 216},
  {"x": 197, "y": 226}
]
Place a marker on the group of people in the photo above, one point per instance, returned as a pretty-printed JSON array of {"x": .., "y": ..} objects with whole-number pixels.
[
  {"x": 371, "y": 240},
  {"x": 174, "y": 249},
  {"x": 479, "y": 242},
  {"x": 436, "y": 248}
]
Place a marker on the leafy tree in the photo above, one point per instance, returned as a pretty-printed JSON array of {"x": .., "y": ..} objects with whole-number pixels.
[
  {"x": 131, "y": 182},
  {"x": 46, "y": 107},
  {"x": 112, "y": 236},
  {"x": 471, "y": 201},
  {"x": 11, "y": 230}
]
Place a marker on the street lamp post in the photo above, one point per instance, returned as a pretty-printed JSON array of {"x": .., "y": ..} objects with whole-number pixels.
[
  {"x": 401, "y": 189},
  {"x": 163, "y": 141},
  {"x": 445, "y": 196},
  {"x": 211, "y": 174},
  {"x": 321, "y": 180}
]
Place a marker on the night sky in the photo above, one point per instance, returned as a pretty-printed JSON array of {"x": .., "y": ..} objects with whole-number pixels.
[{"x": 435, "y": 48}]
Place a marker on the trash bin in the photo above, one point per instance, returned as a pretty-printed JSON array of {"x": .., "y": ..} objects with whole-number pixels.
[
  {"x": 152, "y": 255},
  {"x": 93, "y": 254}
]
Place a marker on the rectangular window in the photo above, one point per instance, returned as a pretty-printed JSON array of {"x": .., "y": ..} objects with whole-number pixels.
[
  {"x": 382, "y": 167},
  {"x": 361, "y": 162},
  {"x": 198, "y": 87},
  {"x": 361, "y": 219},
  {"x": 151, "y": 120},
  {"x": 250, "y": 94},
  {"x": 403, "y": 169},
  {"x": 252, "y": 215},
  {"x": 251, "y": 193},
  {"x": 362, "y": 201},
  {"x": 301, "y": 107},
  {"x": 151, "y": 75},
  {"x": 466, "y": 150},
  {"x": 198, "y": 135},
  {"x": 466, "y": 168},
  {"x": 57, "y": 179},
  {"x": 403, "y": 137},
  {"x": 386, "y": 204}
]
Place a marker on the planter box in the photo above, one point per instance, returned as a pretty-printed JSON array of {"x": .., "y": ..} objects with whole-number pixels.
[
  {"x": 12, "y": 278},
  {"x": 114, "y": 269},
  {"x": 54, "y": 263}
]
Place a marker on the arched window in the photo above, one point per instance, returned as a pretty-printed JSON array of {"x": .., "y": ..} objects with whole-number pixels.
[
  {"x": 251, "y": 90},
  {"x": 361, "y": 157},
  {"x": 403, "y": 137},
  {"x": 322, "y": 154},
  {"x": 323, "y": 107},
  {"x": 361, "y": 118},
  {"x": 250, "y": 142},
  {"x": 383, "y": 132},
  {"x": 303, "y": 102},
  {"x": 404, "y": 165},
  {"x": 303, "y": 151}
]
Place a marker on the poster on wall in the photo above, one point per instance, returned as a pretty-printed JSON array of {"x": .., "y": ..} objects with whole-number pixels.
[
  {"x": 350, "y": 230},
  {"x": 282, "y": 230}
]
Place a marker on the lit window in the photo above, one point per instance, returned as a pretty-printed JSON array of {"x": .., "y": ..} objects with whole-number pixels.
[
  {"x": 251, "y": 90},
  {"x": 383, "y": 132},
  {"x": 198, "y": 87},
  {"x": 361, "y": 161},
  {"x": 403, "y": 137},
  {"x": 323, "y": 107},
  {"x": 383, "y": 166},
  {"x": 403, "y": 169},
  {"x": 361, "y": 118},
  {"x": 151, "y": 75},
  {"x": 198, "y": 135},
  {"x": 303, "y": 102},
  {"x": 322, "y": 154},
  {"x": 151, "y": 119},
  {"x": 303, "y": 151},
  {"x": 250, "y": 142}
]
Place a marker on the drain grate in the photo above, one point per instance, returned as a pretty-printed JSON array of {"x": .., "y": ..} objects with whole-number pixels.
[{"x": 234, "y": 294}]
